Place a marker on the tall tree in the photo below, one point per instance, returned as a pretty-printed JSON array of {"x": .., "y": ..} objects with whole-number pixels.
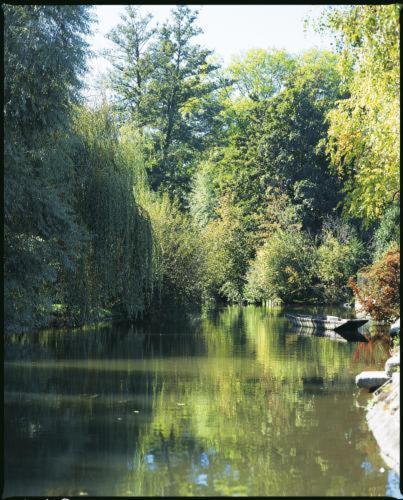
[
  {"x": 132, "y": 64},
  {"x": 275, "y": 144},
  {"x": 364, "y": 127},
  {"x": 44, "y": 57},
  {"x": 114, "y": 267},
  {"x": 259, "y": 73},
  {"x": 289, "y": 145},
  {"x": 167, "y": 83},
  {"x": 182, "y": 79}
]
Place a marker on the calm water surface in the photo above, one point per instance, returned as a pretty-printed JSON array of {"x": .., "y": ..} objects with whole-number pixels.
[{"x": 236, "y": 403}]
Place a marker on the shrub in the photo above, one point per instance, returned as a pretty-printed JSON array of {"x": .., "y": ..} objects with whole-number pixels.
[
  {"x": 339, "y": 257},
  {"x": 228, "y": 248},
  {"x": 284, "y": 268},
  {"x": 388, "y": 231},
  {"x": 178, "y": 257},
  {"x": 379, "y": 289},
  {"x": 255, "y": 287}
]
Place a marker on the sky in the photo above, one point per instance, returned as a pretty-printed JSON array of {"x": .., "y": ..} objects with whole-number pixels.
[{"x": 228, "y": 30}]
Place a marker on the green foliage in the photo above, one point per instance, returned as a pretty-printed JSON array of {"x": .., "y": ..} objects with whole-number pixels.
[
  {"x": 280, "y": 214},
  {"x": 363, "y": 140},
  {"x": 290, "y": 266},
  {"x": 284, "y": 269},
  {"x": 276, "y": 144},
  {"x": 195, "y": 183},
  {"x": 132, "y": 64},
  {"x": 179, "y": 267},
  {"x": 259, "y": 73},
  {"x": 339, "y": 257},
  {"x": 290, "y": 134},
  {"x": 167, "y": 82},
  {"x": 44, "y": 59},
  {"x": 228, "y": 248},
  {"x": 115, "y": 267},
  {"x": 182, "y": 80},
  {"x": 74, "y": 234},
  {"x": 388, "y": 231},
  {"x": 203, "y": 200}
]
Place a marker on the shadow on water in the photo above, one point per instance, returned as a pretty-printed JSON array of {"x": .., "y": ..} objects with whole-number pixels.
[
  {"x": 342, "y": 336},
  {"x": 230, "y": 403}
]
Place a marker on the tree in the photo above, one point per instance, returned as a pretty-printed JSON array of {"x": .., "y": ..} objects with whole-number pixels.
[
  {"x": 256, "y": 77},
  {"x": 289, "y": 138},
  {"x": 166, "y": 83},
  {"x": 115, "y": 266},
  {"x": 228, "y": 248},
  {"x": 44, "y": 56},
  {"x": 132, "y": 64},
  {"x": 203, "y": 199},
  {"x": 275, "y": 145},
  {"x": 259, "y": 74},
  {"x": 284, "y": 269},
  {"x": 182, "y": 78},
  {"x": 364, "y": 127},
  {"x": 179, "y": 266},
  {"x": 388, "y": 231}
]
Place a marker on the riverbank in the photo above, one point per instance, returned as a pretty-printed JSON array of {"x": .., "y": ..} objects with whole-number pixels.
[{"x": 383, "y": 414}]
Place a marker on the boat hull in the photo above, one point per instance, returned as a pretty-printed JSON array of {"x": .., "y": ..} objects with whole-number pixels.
[{"x": 333, "y": 323}]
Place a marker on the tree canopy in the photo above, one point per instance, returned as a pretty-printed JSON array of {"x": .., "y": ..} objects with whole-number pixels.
[
  {"x": 365, "y": 126},
  {"x": 44, "y": 58},
  {"x": 193, "y": 183}
]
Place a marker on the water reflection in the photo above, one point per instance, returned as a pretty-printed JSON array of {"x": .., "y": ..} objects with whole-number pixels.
[{"x": 235, "y": 403}]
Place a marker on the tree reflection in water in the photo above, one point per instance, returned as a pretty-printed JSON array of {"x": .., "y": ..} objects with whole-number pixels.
[{"x": 232, "y": 404}]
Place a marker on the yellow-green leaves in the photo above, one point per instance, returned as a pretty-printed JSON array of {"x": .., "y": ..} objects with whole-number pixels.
[
  {"x": 259, "y": 73},
  {"x": 363, "y": 137}
]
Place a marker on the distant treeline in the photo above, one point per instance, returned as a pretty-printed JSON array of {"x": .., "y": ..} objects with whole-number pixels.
[{"x": 186, "y": 183}]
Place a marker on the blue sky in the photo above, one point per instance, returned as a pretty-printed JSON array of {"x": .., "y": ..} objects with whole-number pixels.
[{"x": 228, "y": 29}]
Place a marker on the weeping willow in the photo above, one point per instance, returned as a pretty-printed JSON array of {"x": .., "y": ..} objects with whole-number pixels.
[{"x": 114, "y": 269}]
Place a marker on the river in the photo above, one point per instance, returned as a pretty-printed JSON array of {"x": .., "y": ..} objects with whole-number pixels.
[{"x": 233, "y": 403}]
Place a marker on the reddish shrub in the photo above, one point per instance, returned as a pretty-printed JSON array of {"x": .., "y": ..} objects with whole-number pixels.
[{"x": 379, "y": 292}]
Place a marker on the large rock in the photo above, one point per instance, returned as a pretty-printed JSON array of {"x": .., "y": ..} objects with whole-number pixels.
[
  {"x": 392, "y": 364},
  {"x": 384, "y": 421},
  {"x": 371, "y": 380}
]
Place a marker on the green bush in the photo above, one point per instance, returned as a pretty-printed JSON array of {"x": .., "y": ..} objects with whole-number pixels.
[
  {"x": 388, "y": 231},
  {"x": 178, "y": 255},
  {"x": 339, "y": 257},
  {"x": 228, "y": 248},
  {"x": 284, "y": 268}
]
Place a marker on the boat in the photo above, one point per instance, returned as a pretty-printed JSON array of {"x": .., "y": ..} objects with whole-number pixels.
[{"x": 334, "y": 323}]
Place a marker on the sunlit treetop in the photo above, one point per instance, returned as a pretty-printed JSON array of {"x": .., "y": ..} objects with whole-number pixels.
[{"x": 363, "y": 140}]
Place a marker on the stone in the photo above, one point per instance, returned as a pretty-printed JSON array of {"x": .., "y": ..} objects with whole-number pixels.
[
  {"x": 384, "y": 421},
  {"x": 392, "y": 364},
  {"x": 371, "y": 380}
]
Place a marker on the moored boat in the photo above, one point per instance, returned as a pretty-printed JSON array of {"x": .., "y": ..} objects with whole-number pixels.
[{"x": 326, "y": 322}]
